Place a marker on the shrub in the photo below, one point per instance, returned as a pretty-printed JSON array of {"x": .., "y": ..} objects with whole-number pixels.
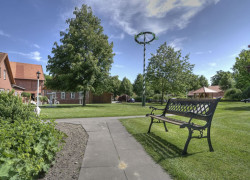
[
  {"x": 233, "y": 94},
  {"x": 157, "y": 98},
  {"x": 28, "y": 144},
  {"x": 26, "y": 94}
]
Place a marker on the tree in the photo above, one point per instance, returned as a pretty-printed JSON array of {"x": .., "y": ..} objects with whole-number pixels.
[
  {"x": 217, "y": 77},
  {"x": 226, "y": 82},
  {"x": 242, "y": 76},
  {"x": 168, "y": 71},
  {"x": 203, "y": 81},
  {"x": 138, "y": 85},
  {"x": 126, "y": 87},
  {"x": 193, "y": 82},
  {"x": 114, "y": 85},
  {"x": 83, "y": 59}
]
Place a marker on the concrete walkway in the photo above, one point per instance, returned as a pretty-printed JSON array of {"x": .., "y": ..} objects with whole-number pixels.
[{"x": 113, "y": 154}]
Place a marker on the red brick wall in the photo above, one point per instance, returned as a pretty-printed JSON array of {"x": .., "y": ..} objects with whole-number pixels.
[
  {"x": 30, "y": 85},
  {"x": 67, "y": 100},
  {"x": 4, "y": 83}
]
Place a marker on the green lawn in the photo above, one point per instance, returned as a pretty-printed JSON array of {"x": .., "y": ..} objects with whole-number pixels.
[
  {"x": 230, "y": 136},
  {"x": 93, "y": 110}
]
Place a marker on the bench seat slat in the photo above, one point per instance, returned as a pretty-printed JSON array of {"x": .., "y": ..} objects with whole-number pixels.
[{"x": 172, "y": 121}]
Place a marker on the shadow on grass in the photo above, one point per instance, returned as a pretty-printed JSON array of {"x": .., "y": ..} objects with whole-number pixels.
[
  {"x": 156, "y": 144},
  {"x": 243, "y": 108}
]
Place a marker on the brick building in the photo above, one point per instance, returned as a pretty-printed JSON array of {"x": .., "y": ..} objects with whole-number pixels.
[
  {"x": 76, "y": 97},
  {"x": 6, "y": 76},
  {"x": 25, "y": 77}
]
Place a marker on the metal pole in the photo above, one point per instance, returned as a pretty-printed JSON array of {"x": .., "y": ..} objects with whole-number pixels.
[
  {"x": 37, "y": 92},
  {"x": 143, "y": 93}
]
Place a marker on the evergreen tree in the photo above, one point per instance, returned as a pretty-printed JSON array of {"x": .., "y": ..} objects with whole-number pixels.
[{"x": 81, "y": 62}]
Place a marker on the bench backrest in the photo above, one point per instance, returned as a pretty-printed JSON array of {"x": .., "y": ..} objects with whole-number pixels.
[{"x": 202, "y": 108}]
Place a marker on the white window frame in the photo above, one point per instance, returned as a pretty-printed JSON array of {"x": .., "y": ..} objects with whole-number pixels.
[
  {"x": 4, "y": 74},
  {"x": 1, "y": 89},
  {"x": 53, "y": 95},
  {"x": 62, "y": 95},
  {"x": 72, "y": 95}
]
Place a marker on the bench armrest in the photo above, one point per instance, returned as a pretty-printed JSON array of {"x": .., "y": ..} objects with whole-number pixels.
[{"x": 153, "y": 109}]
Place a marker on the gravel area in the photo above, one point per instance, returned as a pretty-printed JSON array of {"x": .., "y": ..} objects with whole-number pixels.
[{"x": 69, "y": 159}]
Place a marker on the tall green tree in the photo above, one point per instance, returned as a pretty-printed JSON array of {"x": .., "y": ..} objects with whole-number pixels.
[
  {"x": 242, "y": 76},
  {"x": 226, "y": 82},
  {"x": 126, "y": 87},
  {"x": 203, "y": 81},
  {"x": 193, "y": 82},
  {"x": 168, "y": 71},
  {"x": 114, "y": 85},
  {"x": 82, "y": 60},
  {"x": 215, "y": 80},
  {"x": 138, "y": 85}
]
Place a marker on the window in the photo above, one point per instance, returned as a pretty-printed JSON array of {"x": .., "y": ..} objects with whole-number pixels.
[
  {"x": 53, "y": 95},
  {"x": 72, "y": 95},
  {"x": 80, "y": 95},
  {"x": 1, "y": 90},
  {"x": 62, "y": 95},
  {"x": 4, "y": 74}
]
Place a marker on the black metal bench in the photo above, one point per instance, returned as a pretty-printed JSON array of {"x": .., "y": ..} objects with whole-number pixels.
[{"x": 201, "y": 109}]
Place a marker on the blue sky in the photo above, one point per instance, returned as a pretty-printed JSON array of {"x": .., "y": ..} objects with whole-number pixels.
[{"x": 213, "y": 32}]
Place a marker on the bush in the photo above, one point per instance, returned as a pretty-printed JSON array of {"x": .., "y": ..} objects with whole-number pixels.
[
  {"x": 43, "y": 98},
  {"x": 157, "y": 98},
  {"x": 26, "y": 94},
  {"x": 28, "y": 144},
  {"x": 233, "y": 94}
]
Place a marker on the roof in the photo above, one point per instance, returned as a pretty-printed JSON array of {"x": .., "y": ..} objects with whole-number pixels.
[
  {"x": 18, "y": 87},
  {"x": 204, "y": 90},
  {"x": 190, "y": 93},
  {"x": 26, "y": 71},
  {"x": 215, "y": 88},
  {"x": 4, "y": 57}
]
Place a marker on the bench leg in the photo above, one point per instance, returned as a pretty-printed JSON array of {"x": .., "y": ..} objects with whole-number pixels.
[
  {"x": 152, "y": 121},
  {"x": 184, "y": 152},
  {"x": 166, "y": 129},
  {"x": 209, "y": 140}
]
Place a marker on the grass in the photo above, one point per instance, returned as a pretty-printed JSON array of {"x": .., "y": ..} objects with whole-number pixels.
[
  {"x": 230, "y": 135},
  {"x": 93, "y": 110}
]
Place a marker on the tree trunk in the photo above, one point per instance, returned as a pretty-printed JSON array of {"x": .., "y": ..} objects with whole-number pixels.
[
  {"x": 162, "y": 97},
  {"x": 84, "y": 98}
]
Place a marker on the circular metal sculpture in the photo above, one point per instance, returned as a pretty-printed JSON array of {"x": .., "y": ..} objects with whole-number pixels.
[{"x": 144, "y": 43}]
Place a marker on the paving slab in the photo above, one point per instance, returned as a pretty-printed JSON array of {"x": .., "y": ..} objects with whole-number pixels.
[{"x": 113, "y": 154}]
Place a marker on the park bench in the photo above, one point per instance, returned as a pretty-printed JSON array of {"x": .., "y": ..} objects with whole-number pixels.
[{"x": 200, "y": 109}]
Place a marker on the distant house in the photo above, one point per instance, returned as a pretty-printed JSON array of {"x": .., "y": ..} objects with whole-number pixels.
[
  {"x": 207, "y": 92},
  {"x": 76, "y": 97},
  {"x": 25, "y": 77}
]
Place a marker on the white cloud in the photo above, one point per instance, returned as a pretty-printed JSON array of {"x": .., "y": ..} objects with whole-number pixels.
[
  {"x": 32, "y": 55},
  {"x": 177, "y": 43},
  {"x": 212, "y": 64},
  {"x": 158, "y": 16},
  {"x": 203, "y": 52},
  {"x": 4, "y": 34},
  {"x": 37, "y": 46},
  {"x": 121, "y": 36}
]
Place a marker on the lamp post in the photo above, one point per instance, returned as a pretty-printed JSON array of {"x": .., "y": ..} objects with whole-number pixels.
[{"x": 38, "y": 76}]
